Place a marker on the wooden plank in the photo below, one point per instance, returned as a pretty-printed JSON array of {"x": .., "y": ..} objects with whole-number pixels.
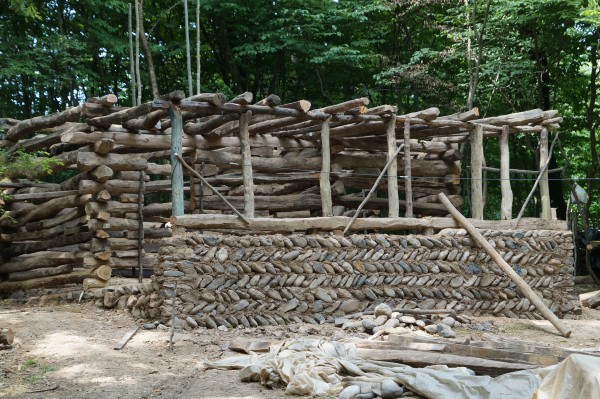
[
  {"x": 246, "y": 346},
  {"x": 392, "y": 181},
  {"x": 246, "y": 158},
  {"x": 507, "y": 195},
  {"x": 324, "y": 183},
  {"x": 478, "y": 351},
  {"x": 476, "y": 139},
  {"x": 416, "y": 346},
  {"x": 176, "y": 168},
  {"x": 121, "y": 344},
  {"x": 423, "y": 359}
]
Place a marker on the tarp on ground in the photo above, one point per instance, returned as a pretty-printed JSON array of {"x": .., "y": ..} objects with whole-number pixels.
[{"x": 318, "y": 368}]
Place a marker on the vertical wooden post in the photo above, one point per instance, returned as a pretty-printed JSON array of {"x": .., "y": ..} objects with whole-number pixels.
[
  {"x": 201, "y": 209},
  {"x": 324, "y": 184},
  {"x": 407, "y": 171},
  {"x": 393, "y": 201},
  {"x": 505, "y": 189},
  {"x": 131, "y": 59},
  {"x": 544, "y": 188},
  {"x": 176, "y": 168},
  {"x": 141, "y": 190},
  {"x": 476, "y": 138},
  {"x": 247, "y": 165}
]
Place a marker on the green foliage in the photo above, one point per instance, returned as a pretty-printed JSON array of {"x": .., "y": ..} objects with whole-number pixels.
[
  {"x": 34, "y": 371},
  {"x": 32, "y": 165},
  {"x": 409, "y": 53}
]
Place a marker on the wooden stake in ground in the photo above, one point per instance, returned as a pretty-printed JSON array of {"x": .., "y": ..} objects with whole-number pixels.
[
  {"x": 173, "y": 317},
  {"x": 523, "y": 286}
]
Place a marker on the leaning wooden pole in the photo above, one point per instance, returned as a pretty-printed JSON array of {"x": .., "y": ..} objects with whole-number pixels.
[
  {"x": 408, "y": 194},
  {"x": 537, "y": 181},
  {"x": 505, "y": 189},
  {"x": 246, "y": 156},
  {"x": 324, "y": 183},
  {"x": 214, "y": 190},
  {"x": 523, "y": 286},
  {"x": 176, "y": 169},
  {"x": 368, "y": 197},
  {"x": 476, "y": 139},
  {"x": 392, "y": 183}
]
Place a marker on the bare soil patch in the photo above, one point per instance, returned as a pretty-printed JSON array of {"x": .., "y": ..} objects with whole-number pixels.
[{"x": 66, "y": 351}]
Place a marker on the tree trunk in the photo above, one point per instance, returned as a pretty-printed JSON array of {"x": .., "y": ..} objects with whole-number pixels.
[{"x": 148, "y": 53}]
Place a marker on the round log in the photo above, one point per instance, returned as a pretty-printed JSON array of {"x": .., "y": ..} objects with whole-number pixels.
[
  {"x": 7, "y": 336},
  {"x": 102, "y": 273},
  {"x": 90, "y": 283}
]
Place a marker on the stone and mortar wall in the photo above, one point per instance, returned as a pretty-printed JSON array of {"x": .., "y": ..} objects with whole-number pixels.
[{"x": 274, "y": 279}]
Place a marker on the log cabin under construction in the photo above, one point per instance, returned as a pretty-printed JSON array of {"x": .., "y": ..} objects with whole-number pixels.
[{"x": 135, "y": 175}]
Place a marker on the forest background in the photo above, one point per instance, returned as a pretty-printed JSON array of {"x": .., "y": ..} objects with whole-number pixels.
[{"x": 502, "y": 56}]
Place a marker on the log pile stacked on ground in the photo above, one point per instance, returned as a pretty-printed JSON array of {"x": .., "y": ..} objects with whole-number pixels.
[
  {"x": 108, "y": 146},
  {"x": 38, "y": 239}
]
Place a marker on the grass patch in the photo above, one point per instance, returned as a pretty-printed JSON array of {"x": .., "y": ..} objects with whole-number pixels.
[{"x": 35, "y": 370}]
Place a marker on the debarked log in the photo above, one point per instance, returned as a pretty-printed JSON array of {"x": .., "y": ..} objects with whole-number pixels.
[
  {"x": 208, "y": 221},
  {"x": 20, "y": 248},
  {"x": 41, "y": 122},
  {"x": 41, "y": 260},
  {"x": 45, "y": 211},
  {"x": 86, "y": 161},
  {"x": 162, "y": 142},
  {"x": 7, "y": 336},
  {"x": 75, "y": 277},
  {"x": 42, "y": 272},
  {"x": 225, "y": 160},
  {"x": 285, "y": 225}
]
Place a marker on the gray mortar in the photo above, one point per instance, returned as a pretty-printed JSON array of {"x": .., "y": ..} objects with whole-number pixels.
[{"x": 257, "y": 280}]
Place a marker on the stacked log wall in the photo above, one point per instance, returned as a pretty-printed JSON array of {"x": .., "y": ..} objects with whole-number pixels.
[
  {"x": 39, "y": 239},
  {"x": 109, "y": 146},
  {"x": 273, "y": 279}
]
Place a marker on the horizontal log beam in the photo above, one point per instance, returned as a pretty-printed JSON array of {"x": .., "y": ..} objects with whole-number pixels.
[
  {"x": 42, "y": 195},
  {"x": 209, "y": 222},
  {"x": 86, "y": 161},
  {"x": 521, "y": 171},
  {"x": 41, "y": 259},
  {"x": 347, "y": 161},
  {"x": 41, "y": 122},
  {"x": 163, "y": 141},
  {"x": 21, "y": 248},
  {"x": 49, "y": 209},
  {"x": 75, "y": 277}
]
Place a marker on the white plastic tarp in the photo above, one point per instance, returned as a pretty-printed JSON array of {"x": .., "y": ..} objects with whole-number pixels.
[{"x": 319, "y": 368}]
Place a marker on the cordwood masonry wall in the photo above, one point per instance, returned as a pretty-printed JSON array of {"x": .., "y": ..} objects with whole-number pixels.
[{"x": 274, "y": 279}]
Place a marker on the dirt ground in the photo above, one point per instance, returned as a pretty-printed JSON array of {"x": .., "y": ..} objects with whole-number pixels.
[{"x": 66, "y": 351}]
